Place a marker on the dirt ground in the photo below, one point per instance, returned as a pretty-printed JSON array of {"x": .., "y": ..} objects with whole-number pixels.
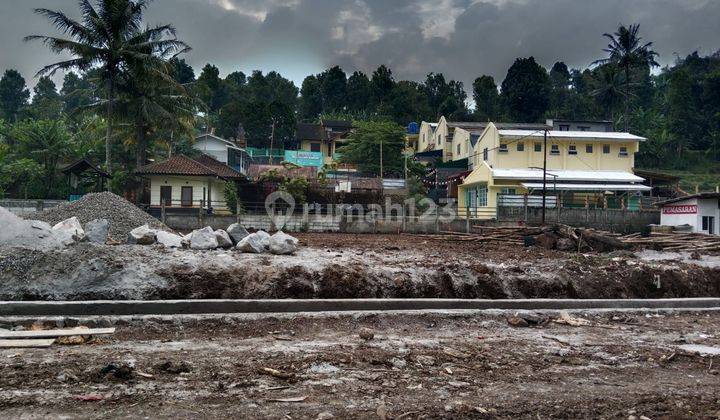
[
  {"x": 418, "y": 365},
  {"x": 353, "y": 266}
]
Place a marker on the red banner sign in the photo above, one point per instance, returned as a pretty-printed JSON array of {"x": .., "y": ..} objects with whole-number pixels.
[{"x": 686, "y": 209}]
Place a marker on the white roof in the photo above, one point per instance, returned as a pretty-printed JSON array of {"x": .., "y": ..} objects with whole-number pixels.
[
  {"x": 587, "y": 187},
  {"x": 566, "y": 175},
  {"x": 573, "y": 134}
]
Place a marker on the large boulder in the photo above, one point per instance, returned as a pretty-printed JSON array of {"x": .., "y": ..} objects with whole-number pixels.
[
  {"x": 237, "y": 232},
  {"x": 223, "y": 239},
  {"x": 169, "y": 240},
  {"x": 97, "y": 230},
  {"x": 32, "y": 234},
  {"x": 252, "y": 243},
  {"x": 142, "y": 235},
  {"x": 204, "y": 238},
  {"x": 70, "y": 230},
  {"x": 264, "y": 238},
  {"x": 282, "y": 244}
]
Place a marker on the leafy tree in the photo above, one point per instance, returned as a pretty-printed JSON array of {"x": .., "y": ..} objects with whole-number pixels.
[
  {"x": 310, "y": 99},
  {"x": 47, "y": 103},
  {"x": 13, "y": 94},
  {"x": 76, "y": 92},
  {"x": 681, "y": 112},
  {"x": 487, "y": 99},
  {"x": 181, "y": 71},
  {"x": 24, "y": 174},
  {"x": 333, "y": 85},
  {"x": 526, "y": 90},
  {"x": 609, "y": 89},
  {"x": 210, "y": 88},
  {"x": 372, "y": 140},
  {"x": 406, "y": 102},
  {"x": 560, "y": 79},
  {"x": 445, "y": 98},
  {"x": 626, "y": 50},
  {"x": 358, "y": 92},
  {"x": 108, "y": 35},
  {"x": 381, "y": 84}
]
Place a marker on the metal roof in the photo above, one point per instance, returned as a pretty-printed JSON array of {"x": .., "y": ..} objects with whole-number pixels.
[
  {"x": 566, "y": 175},
  {"x": 589, "y": 135},
  {"x": 707, "y": 195},
  {"x": 587, "y": 187}
]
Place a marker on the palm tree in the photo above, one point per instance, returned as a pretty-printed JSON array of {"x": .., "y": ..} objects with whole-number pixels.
[
  {"x": 609, "y": 89},
  {"x": 108, "y": 36},
  {"x": 626, "y": 51}
]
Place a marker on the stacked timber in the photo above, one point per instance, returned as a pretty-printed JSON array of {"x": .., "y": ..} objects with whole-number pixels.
[{"x": 674, "y": 241}]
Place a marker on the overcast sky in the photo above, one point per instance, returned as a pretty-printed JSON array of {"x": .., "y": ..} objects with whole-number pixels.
[{"x": 460, "y": 38}]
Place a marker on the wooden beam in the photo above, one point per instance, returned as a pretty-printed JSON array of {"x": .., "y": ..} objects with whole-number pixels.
[
  {"x": 42, "y": 342},
  {"x": 55, "y": 333}
]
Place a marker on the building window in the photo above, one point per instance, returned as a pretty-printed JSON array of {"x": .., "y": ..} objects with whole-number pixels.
[
  {"x": 458, "y": 149},
  {"x": 477, "y": 197},
  {"x": 314, "y": 147},
  {"x": 439, "y": 139},
  {"x": 538, "y": 147},
  {"x": 708, "y": 224},
  {"x": 564, "y": 127},
  {"x": 508, "y": 191},
  {"x": 606, "y": 149},
  {"x": 521, "y": 147},
  {"x": 623, "y": 151},
  {"x": 485, "y": 154},
  {"x": 554, "y": 149},
  {"x": 166, "y": 195},
  {"x": 503, "y": 148},
  {"x": 588, "y": 148},
  {"x": 572, "y": 149},
  {"x": 583, "y": 128}
]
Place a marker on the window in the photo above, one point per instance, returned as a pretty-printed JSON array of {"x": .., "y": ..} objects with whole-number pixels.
[
  {"x": 572, "y": 149},
  {"x": 606, "y": 149},
  {"x": 521, "y": 147},
  {"x": 564, "y": 127},
  {"x": 439, "y": 139},
  {"x": 314, "y": 147},
  {"x": 503, "y": 148},
  {"x": 458, "y": 149},
  {"x": 623, "y": 151},
  {"x": 485, "y": 154},
  {"x": 583, "y": 128},
  {"x": 708, "y": 224},
  {"x": 508, "y": 191},
  {"x": 554, "y": 149},
  {"x": 538, "y": 147},
  {"x": 588, "y": 148},
  {"x": 477, "y": 197}
]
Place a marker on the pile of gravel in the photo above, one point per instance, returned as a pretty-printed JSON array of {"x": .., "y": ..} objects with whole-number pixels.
[{"x": 122, "y": 215}]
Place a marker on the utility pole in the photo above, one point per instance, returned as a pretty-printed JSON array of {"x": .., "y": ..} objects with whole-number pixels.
[
  {"x": 272, "y": 140},
  {"x": 544, "y": 175},
  {"x": 381, "y": 160}
]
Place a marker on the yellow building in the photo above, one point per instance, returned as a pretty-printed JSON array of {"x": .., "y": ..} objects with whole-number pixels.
[
  {"x": 583, "y": 167},
  {"x": 324, "y": 138}
]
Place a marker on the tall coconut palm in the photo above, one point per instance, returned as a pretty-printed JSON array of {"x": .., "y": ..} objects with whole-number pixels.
[
  {"x": 627, "y": 52},
  {"x": 609, "y": 89},
  {"x": 108, "y": 35}
]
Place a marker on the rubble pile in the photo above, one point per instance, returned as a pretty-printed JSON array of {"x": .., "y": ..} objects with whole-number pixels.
[{"x": 122, "y": 216}]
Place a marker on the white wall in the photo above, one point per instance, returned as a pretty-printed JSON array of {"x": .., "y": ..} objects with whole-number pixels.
[
  {"x": 198, "y": 184},
  {"x": 680, "y": 213},
  {"x": 213, "y": 147}
]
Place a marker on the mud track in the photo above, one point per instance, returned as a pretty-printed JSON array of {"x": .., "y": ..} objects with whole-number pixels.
[{"x": 352, "y": 266}]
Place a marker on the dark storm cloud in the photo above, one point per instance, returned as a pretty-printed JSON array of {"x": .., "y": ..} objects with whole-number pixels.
[{"x": 461, "y": 38}]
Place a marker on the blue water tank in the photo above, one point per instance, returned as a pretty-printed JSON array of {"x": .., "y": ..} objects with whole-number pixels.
[{"x": 413, "y": 128}]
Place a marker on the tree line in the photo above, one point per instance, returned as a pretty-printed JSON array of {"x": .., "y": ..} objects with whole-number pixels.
[{"x": 127, "y": 94}]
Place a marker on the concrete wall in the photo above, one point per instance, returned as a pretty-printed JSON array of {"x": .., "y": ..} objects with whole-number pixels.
[
  {"x": 22, "y": 207},
  {"x": 612, "y": 220}
]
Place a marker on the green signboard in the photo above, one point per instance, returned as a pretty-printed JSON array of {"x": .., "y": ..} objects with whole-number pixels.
[{"x": 304, "y": 158}]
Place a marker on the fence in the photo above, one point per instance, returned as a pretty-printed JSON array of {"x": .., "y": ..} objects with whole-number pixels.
[{"x": 24, "y": 207}]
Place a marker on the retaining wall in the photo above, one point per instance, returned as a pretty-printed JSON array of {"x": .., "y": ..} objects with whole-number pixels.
[{"x": 613, "y": 220}]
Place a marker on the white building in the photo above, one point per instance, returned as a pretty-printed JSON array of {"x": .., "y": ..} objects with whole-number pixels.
[
  {"x": 223, "y": 151},
  {"x": 700, "y": 211}
]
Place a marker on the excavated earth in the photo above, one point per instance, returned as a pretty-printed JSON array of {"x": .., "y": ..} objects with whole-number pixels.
[{"x": 352, "y": 266}]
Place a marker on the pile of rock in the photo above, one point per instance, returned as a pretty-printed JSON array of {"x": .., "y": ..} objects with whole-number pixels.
[
  {"x": 121, "y": 215},
  {"x": 206, "y": 239}
]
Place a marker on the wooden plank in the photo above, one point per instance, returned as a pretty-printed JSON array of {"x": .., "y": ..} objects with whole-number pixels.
[
  {"x": 55, "y": 333},
  {"x": 41, "y": 342}
]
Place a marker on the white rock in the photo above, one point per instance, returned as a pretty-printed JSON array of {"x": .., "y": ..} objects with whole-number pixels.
[
  {"x": 203, "y": 239},
  {"x": 282, "y": 243},
  {"x": 32, "y": 234},
  {"x": 142, "y": 235},
  {"x": 264, "y": 238},
  {"x": 97, "y": 230},
  {"x": 169, "y": 240},
  {"x": 252, "y": 243},
  {"x": 70, "y": 230},
  {"x": 237, "y": 232},
  {"x": 223, "y": 239}
]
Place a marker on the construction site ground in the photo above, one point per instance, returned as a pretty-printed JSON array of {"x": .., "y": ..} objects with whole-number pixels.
[
  {"x": 354, "y": 266},
  {"x": 417, "y": 365}
]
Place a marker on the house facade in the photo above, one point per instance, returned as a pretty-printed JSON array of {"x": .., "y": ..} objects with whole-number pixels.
[
  {"x": 583, "y": 168},
  {"x": 187, "y": 183},
  {"x": 319, "y": 142},
  {"x": 223, "y": 151},
  {"x": 699, "y": 211}
]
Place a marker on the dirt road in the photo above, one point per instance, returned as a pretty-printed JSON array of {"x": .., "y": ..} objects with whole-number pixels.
[{"x": 450, "y": 365}]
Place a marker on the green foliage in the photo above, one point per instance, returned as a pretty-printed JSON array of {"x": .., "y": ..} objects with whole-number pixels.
[
  {"x": 526, "y": 90},
  {"x": 230, "y": 193},
  {"x": 13, "y": 94},
  {"x": 364, "y": 147},
  {"x": 296, "y": 187},
  {"x": 487, "y": 99}
]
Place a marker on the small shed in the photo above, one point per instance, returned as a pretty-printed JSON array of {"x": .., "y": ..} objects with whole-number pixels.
[
  {"x": 84, "y": 177},
  {"x": 700, "y": 211}
]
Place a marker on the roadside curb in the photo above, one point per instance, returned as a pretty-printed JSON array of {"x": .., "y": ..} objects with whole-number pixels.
[{"x": 230, "y": 306}]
